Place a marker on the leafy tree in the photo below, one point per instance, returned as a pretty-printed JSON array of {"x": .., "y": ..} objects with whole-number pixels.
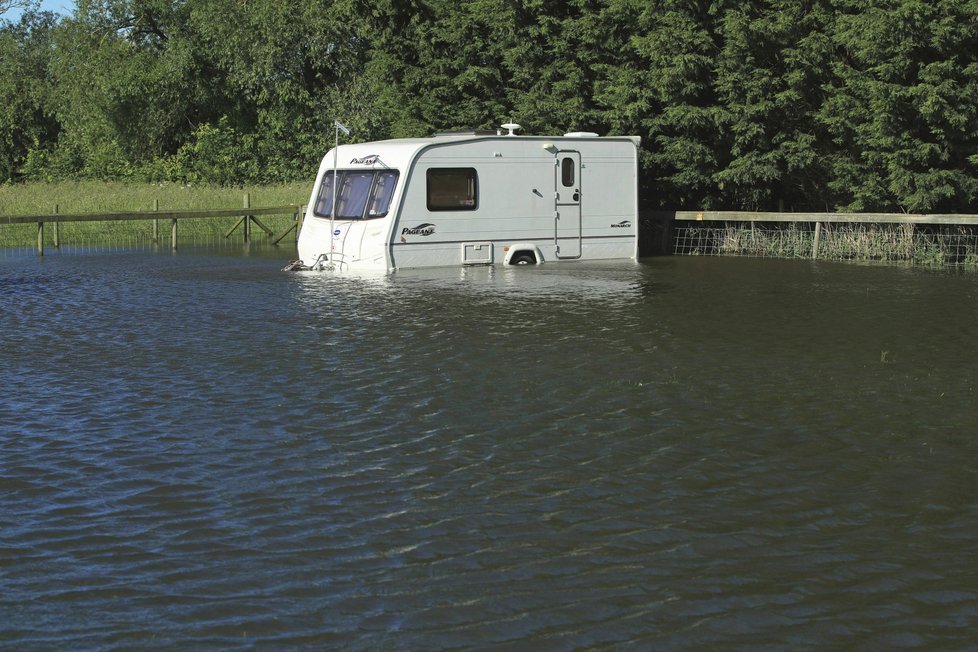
[
  {"x": 859, "y": 104},
  {"x": 9, "y": 5},
  {"x": 25, "y": 50},
  {"x": 131, "y": 85},
  {"x": 280, "y": 63}
]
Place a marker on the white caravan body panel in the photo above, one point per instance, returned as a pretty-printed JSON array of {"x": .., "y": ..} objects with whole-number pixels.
[{"x": 475, "y": 200}]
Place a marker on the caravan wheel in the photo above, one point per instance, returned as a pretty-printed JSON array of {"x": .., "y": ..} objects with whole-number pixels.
[{"x": 523, "y": 258}]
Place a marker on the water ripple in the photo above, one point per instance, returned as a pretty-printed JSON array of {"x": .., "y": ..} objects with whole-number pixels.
[{"x": 201, "y": 452}]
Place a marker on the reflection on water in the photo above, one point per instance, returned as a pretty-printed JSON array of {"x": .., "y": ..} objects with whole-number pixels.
[
  {"x": 202, "y": 451},
  {"x": 610, "y": 281}
]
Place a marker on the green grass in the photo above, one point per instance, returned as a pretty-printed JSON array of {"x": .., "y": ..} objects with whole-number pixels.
[{"x": 109, "y": 197}]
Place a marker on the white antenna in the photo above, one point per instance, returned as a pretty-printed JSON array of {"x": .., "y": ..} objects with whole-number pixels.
[
  {"x": 338, "y": 126},
  {"x": 512, "y": 127}
]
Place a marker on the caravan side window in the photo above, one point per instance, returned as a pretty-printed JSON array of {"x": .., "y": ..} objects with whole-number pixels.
[{"x": 453, "y": 189}]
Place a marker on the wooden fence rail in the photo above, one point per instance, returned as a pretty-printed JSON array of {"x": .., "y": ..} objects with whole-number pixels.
[{"x": 248, "y": 214}]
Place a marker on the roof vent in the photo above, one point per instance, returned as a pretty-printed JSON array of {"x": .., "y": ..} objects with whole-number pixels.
[
  {"x": 581, "y": 134},
  {"x": 464, "y": 132},
  {"x": 512, "y": 127}
]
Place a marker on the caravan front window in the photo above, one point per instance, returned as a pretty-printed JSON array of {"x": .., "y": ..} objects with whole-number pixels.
[
  {"x": 364, "y": 194},
  {"x": 380, "y": 197}
]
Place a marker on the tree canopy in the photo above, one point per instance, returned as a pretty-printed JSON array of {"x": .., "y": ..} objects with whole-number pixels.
[{"x": 867, "y": 105}]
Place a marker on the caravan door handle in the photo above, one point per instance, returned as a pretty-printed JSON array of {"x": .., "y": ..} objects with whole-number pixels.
[{"x": 577, "y": 195}]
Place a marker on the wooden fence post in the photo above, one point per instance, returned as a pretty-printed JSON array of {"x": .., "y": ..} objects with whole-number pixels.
[
  {"x": 173, "y": 234},
  {"x": 40, "y": 238},
  {"x": 57, "y": 230},
  {"x": 156, "y": 222},
  {"x": 818, "y": 231},
  {"x": 247, "y": 218}
]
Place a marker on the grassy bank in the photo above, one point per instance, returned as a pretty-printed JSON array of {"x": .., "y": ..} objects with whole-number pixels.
[{"x": 108, "y": 197}]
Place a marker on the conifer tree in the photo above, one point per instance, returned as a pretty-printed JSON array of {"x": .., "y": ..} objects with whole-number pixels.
[
  {"x": 770, "y": 69},
  {"x": 902, "y": 107},
  {"x": 670, "y": 95}
]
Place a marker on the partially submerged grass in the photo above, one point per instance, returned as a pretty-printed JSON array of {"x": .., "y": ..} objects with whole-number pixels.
[
  {"x": 927, "y": 246},
  {"x": 111, "y": 197},
  {"x": 791, "y": 241}
]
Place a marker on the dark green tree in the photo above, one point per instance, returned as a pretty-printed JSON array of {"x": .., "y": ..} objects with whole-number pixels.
[
  {"x": 665, "y": 91},
  {"x": 555, "y": 58},
  {"x": 25, "y": 90},
  {"x": 901, "y": 105},
  {"x": 435, "y": 65},
  {"x": 769, "y": 72}
]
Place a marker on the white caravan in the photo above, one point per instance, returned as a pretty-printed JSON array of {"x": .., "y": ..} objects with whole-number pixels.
[{"x": 473, "y": 199}]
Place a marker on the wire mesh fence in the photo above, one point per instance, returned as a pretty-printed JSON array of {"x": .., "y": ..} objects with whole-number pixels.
[
  {"x": 922, "y": 245},
  {"x": 754, "y": 240}
]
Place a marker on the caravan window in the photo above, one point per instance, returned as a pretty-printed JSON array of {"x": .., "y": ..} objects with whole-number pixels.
[
  {"x": 452, "y": 189},
  {"x": 567, "y": 172},
  {"x": 380, "y": 197},
  {"x": 364, "y": 194}
]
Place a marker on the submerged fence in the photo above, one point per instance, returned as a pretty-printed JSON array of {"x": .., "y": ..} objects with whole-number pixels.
[
  {"x": 248, "y": 220},
  {"x": 918, "y": 239},
  {"x": 946, "y": 239}
]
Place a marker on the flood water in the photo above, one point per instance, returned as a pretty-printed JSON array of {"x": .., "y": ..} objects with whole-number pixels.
[{"x": 199, "y": 451}]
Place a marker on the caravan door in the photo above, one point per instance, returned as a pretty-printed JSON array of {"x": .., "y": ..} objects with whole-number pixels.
[{"x": 567, "y": 211}]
